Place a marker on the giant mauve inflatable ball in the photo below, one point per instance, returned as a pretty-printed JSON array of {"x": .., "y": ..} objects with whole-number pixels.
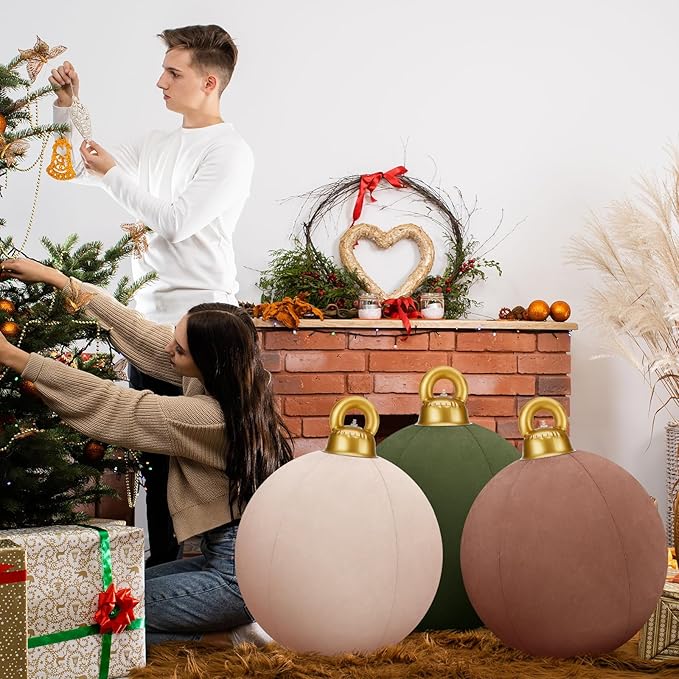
[
  {"x": 563, "y": 552},
  {"x": 339, "y": 550}
]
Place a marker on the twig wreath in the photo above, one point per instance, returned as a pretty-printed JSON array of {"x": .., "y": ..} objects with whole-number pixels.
[{"x": 335, "y": 288}]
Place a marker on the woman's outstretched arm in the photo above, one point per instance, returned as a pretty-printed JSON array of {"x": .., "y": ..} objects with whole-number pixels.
[{"x": 141, "y": 341}]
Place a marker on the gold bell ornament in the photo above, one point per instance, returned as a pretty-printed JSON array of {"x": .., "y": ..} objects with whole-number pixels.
[{"x": 61, "y": 165}]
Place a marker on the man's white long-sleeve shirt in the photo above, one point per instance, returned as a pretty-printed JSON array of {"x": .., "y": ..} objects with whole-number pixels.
[{"x": 189, "y": 187}]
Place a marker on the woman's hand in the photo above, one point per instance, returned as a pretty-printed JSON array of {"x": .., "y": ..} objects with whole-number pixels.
[
  {"x": 12, "y": 356},
  {"x": 4, "y": 344},
  {"x": 30, "y": 271}
]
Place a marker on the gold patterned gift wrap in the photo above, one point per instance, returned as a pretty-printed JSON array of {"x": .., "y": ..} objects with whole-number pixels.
[
  {"x": 85, "y": 599},
  {"x": 659, "y": 637},
  {"x": 13, "y": 662}
]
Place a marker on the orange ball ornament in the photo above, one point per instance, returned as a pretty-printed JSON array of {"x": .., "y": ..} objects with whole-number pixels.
[
  {"x": 94, "y": 451},
  {"x": 28, "y": 388},
  {"x": 538, "y": 310},
  {"x": 560, "y": 311},
  {"x": 7, "y": 306},
  {"x": 3, "y": 123},
  {"x": 10, "y": 329}
]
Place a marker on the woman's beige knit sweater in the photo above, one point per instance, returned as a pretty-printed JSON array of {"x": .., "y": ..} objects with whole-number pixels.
[{"x": 189, "y": 428}]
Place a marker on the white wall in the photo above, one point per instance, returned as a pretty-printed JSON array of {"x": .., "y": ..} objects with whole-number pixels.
[{"x": 543, "y": 110}]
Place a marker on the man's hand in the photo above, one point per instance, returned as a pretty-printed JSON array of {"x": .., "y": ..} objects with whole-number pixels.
[
  {"x": 66, "y": 79},
  {"x": 96, "y": 159},
  {"x": 30, "y": 271}
]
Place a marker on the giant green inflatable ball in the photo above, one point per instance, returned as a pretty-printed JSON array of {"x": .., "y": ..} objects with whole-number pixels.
[{"x": 451, "y": 463}]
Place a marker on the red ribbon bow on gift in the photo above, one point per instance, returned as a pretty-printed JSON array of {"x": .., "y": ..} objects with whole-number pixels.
[
  {"x": 116, "y": 609},
  {"x": 8, "y": 576},
  {"x": 404, "y": 308},
  {"x": 369, "y": 183}
]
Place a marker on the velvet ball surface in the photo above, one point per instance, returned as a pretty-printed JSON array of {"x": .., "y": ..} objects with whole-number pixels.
[
  {"x": 338, "y": 554},
  {"x": 564, "y": 555},
  {"x": 451, "y": 464}
]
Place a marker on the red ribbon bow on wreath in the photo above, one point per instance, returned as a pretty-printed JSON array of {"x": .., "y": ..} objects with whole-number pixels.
[
  {"x": 116, "y": 609},
  {"x": 369, "y": 183},
  {"x": 404, "y": 308}
]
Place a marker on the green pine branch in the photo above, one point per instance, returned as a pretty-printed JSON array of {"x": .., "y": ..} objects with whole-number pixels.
[
  {"x": 126, "y": 290},
  {"x": 10, "y": 79},
  {"x": 12, "y": 65}
]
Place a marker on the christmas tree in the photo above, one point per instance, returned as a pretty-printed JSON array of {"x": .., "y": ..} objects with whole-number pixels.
[{"x": 48, "y": 471}]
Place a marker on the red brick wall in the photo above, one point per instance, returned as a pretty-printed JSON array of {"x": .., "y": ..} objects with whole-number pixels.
[{"x": 505, "y": 368}]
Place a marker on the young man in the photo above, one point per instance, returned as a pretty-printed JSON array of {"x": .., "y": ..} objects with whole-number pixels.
[{"x": 188, "y": 186}]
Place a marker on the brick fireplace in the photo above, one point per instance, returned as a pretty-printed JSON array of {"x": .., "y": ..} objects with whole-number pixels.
[{"x": 506, "y": 363}]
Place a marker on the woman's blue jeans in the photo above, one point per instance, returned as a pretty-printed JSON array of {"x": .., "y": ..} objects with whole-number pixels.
[{"x": 189, "y": 597}]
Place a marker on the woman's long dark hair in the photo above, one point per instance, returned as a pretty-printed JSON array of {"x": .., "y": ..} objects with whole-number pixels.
[{"x": 223, "y": 343}]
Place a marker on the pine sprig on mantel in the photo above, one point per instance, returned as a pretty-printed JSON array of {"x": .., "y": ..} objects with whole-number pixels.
[{"x": 303, "y": 268}]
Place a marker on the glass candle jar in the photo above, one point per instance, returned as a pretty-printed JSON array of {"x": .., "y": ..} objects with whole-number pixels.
[
  {"x": 432, "y": 305},
  {"x": 369, "y": 307}
]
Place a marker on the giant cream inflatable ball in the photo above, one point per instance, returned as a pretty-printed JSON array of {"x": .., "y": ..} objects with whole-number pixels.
[{"x": 339, "y": 550}]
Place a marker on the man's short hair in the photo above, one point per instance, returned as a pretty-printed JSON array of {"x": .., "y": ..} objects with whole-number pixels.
[{"x": 211, "y": 48}]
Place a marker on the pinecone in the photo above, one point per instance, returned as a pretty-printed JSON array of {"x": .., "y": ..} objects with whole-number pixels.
[{"x": 519, "y": 313}]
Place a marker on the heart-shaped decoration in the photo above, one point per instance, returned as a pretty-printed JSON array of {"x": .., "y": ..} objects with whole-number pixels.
[{"x": 384, "y": 240}]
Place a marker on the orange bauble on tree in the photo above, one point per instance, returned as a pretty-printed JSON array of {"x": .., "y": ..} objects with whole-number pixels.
[
  {"x": 538, "y": 310},
  {"x": 3, "y": 123},
  {"x": 560, "y": 311},
  {"x": 94, "y": 451},
  {"x": 7, "y": 306},
  {"x": 28, "y": 388},
  {"x": 10, "y": 329}
]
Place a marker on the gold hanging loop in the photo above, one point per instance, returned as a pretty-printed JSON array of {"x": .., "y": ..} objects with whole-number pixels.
[
  {"x": 443, "y": 410},
  {"x": 353, "y": 440},
  {"x": 545, "y": 441}
]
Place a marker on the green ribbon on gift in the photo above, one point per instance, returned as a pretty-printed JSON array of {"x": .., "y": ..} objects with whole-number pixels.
[{"x": 89, "y": 630}]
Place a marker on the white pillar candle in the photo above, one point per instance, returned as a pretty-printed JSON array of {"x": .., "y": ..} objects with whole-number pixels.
[
  {"x": 370, "y": 313},
  {"x": 433, "y": 311}
]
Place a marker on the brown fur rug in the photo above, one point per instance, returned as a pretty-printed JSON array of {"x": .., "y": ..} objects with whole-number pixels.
[{"x": 466, "y": 655}]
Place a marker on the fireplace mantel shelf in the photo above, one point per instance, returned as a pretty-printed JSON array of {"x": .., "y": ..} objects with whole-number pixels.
[{"x": 395, "y": 324}]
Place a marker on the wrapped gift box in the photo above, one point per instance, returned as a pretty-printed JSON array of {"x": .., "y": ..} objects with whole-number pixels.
[
  {"x": 69, "y": 628},
  {"x": 659, "y": 637},
  {"x": 13, "y": 662}
]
